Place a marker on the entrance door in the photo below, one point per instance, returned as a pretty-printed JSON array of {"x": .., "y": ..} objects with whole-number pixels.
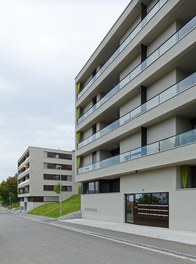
[
  {"x": 151, "y": 209},
  {"x": 129, "y": 203}
]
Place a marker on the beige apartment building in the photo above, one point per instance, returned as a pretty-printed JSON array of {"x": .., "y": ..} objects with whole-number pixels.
[
  {"x": 136, "y": 118},
  {"x": 39, "y": 171}
]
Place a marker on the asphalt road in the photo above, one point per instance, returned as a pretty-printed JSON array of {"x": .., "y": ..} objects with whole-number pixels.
[{"x": 25, "y": 241}]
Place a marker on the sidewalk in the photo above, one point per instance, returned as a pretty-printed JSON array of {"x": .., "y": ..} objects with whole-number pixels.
[{"x": 185, "y": 237}]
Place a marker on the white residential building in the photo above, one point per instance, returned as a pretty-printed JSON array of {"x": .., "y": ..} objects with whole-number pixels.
[
  {"x": 136, "y": 118},
  {"x": 39, "y": 171}
]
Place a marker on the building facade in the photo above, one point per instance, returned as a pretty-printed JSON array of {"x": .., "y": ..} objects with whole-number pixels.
[
  {"x": 136, "y": 119},
  {"x": 39, "y": 171}
]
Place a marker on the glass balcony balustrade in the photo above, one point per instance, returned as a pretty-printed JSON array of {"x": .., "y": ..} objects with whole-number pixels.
[
  {"x": 169, "y": 93},
  {"x": 152, "y": 58},
  {"x": 125, "y": 43},
  {"x": 157, "y": 147}
]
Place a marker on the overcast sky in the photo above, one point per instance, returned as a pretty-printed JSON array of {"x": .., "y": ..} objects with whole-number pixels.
[{"x": 43, "y": 46}]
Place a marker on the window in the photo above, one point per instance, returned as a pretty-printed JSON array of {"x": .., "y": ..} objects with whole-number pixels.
[
  {"x": 101, "y": 186},
  {"x": 55, "y": 155},
  {"x": 143, "y": 52},
  {"x": 69, "y": 178},
  {"x": 193, "y": 123},
  {"x": 94, "y": 129},
  {"x": 115, "y": 151},
  {"x": 188, "y": 176},
  {"x": 51, "y": 177},
  {"x": 55, "y": 177},
  {"x": 152, "y": 198},
  {"x": 35, "y": 199},
  {"x": 160, "y": 198},
  {"x": 94, "y": 101},
  {"x": 66, "y": 188},
  {"x": 54, "y": 166},
  {"x": 48, "y": 187},
  {"x": 68, "y": 167},
  {"x": 94, "y": 72},
  {"x": 143, "y": 11},
  {"x": 51, "y": 188},
  {"x": 144, "y": 198},
  {"x": 193, "y": 176}
]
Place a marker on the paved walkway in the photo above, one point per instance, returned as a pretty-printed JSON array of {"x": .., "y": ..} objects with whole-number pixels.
[{"x": 185, "y": 237}]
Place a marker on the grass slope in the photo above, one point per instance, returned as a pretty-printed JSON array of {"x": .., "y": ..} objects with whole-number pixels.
[{"x": 70, "y": 205}]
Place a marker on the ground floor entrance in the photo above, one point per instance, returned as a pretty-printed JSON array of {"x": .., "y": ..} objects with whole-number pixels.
[{"x": 150, "y": 209}]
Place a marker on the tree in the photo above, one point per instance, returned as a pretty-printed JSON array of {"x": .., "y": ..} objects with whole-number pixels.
[
  {"x": 8, "y": 191},
  {"x": 57, "y": 188}
]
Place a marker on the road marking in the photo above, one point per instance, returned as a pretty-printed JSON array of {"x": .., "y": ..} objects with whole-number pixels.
[{"x": 169, "y": 252}]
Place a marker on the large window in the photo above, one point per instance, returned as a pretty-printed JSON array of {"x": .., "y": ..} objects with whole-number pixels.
[
  {"x": 150, "y": 209},
  {"x": 152, "y": 198},
  {"x": 55, "y": 177},
  {"x": 101, "y": 186},
  {"x": 51, "y": 188},
  {"x": 55, "y": 155},
  {"x": 37, "y": 199},
  {"x": 188, "y": 176},
  {"x": 55, "y": 166}
]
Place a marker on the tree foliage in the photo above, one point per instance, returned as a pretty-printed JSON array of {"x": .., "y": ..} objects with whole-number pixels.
[
  {"x": 8, "y": 191},
  {"x": 57, "y": 188}
]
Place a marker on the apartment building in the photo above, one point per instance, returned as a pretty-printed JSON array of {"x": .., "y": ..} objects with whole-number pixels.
[
  {"x": 39, "y": 171},
  {"x": 136, "y": 118}
]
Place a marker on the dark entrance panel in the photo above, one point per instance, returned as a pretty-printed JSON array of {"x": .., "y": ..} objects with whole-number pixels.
[{"x": 151, "y": 209}]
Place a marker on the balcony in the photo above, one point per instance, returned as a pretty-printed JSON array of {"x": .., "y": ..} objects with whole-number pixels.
[
  {"x": 24, "y": 183},
  {"x": 23, "y": 159},
  {"x": 24, "y": 190},
  {"x": 141, "y": 67},
  {"x": 23, "y": 173},
  {"x": 23, "y": 163},
  {"x": 157, "y": 147},
  {"x": 125, "y": 43},
  {"x": 155, "y": 101}
]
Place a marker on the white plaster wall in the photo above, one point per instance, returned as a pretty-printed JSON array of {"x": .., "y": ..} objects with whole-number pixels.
[
  {"x": 87, "y": 107},
  {"x": 162, "y": 38},
  {"x": 132, "y": 142},
  {"x": 130, "y": 105},
  {"x": 31, "y": 205},
  {"x": 86, "y": 160},
  {"x": 105, "y": 207},
  {"x": 161, "y": 130},
  {"x": 87, "y": 133},
  {"x": 162, "y": 180},
  {"x": 161, "y": 84},
  {"x": 51, "y": 198},
  {"x": 182, "y": 210},
  {"x": 165, "y": 82},
  {"x": 36, "y": 171},
  {"x": 136, "y": 22},
  {"x": 134, "y": 63}
]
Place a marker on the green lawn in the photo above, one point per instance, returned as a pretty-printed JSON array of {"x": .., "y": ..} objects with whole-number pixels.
[{"x": 70, "y": 205}]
